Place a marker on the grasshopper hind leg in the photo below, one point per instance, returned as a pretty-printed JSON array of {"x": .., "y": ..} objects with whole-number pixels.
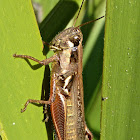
[{"x": 35, "y": 101}]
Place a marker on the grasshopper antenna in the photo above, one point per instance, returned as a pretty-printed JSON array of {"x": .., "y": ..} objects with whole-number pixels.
[
  {"x": 78, "y": 13},
  {"x": 89, "y": 22},
  {"x": 85, "y": 22}
]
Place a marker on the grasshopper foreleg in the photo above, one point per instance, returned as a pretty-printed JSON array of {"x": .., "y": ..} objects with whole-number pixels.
[{"x": 43, "y": 62}]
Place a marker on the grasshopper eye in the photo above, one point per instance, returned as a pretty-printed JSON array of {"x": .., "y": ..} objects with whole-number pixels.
[{"x": 75, "y": 40}]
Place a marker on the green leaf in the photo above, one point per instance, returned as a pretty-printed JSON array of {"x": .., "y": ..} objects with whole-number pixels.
[
  {"x": 121, "y": 78},
  {"x": 19, "y": 34}
]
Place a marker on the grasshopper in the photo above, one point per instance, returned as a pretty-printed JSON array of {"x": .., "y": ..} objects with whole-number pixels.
[{"x": 66, "y": 86}]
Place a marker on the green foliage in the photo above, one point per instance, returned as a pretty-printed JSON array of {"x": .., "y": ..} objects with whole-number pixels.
[
  {"x": 121, "y": 78},
  {"x": 19, "y": 34}
]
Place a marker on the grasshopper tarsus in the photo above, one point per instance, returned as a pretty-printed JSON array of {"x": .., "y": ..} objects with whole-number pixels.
[
  {"x": 22, "y": 110},
  {"x": 25, "y": 106},
  {"x": 14, "y": 55}
]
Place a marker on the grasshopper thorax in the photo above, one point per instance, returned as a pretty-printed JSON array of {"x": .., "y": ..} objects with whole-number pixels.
[{"x": 69, "y": 38}]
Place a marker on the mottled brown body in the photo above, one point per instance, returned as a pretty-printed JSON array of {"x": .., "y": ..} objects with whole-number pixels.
[{"x": 68, "y": 107}]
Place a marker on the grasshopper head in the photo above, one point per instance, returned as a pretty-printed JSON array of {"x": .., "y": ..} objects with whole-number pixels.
[{"x": 68, "y": 39}]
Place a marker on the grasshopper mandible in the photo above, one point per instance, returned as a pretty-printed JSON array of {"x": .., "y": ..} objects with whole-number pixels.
[{"x": 66, "y": 86}]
